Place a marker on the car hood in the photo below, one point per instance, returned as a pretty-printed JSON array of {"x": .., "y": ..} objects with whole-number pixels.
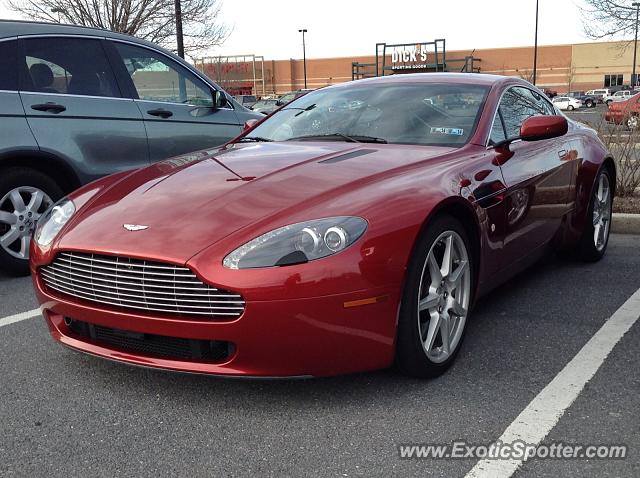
[{"x": 192, "y": 201}]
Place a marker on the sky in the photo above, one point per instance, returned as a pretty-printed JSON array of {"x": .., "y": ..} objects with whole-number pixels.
[{"x": 347, "y": 28}]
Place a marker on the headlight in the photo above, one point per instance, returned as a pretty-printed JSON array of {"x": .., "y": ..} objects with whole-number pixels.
[
  {"x": 52, "y": 221},
  {"x": 298, "y": 243}
]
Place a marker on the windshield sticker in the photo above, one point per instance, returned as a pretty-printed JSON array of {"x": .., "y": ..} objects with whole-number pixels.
[{"x": 450, "y": 131}]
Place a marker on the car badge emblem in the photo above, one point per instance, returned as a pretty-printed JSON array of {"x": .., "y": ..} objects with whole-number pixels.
[{"x": 134, "y": 227}]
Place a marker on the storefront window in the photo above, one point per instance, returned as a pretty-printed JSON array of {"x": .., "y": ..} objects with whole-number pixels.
[{"x": 613, "y": 80}]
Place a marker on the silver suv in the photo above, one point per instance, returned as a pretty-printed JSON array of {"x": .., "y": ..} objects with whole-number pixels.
[{"x": 79, "y": 103}]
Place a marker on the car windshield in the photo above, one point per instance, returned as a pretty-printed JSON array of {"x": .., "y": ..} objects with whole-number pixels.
[{"x": 407, "y": 113}]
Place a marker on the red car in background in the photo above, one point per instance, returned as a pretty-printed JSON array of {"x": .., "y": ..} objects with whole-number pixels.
[
  {"x": 624, "y": 112},
  {"x": 352, "y": 229}
]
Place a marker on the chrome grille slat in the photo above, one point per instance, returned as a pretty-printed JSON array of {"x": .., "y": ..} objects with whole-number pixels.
[
  {"x": 128, "y": 283},
  {"x": 71, "y": 285},
  {"x": 94, "y": 272},
  {"x": 125, "y": 268},
  {"x": 143, "y": 263},
  {"x": 128, "y": 302}
]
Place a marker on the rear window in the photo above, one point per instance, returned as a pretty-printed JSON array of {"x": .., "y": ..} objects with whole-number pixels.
[
  {"x": 67, "y": 66},
  {"x": 8, "y": 69}
]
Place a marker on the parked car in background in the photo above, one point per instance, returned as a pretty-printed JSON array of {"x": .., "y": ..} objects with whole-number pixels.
[
  {"x": 589, "y": 101},
  {"x": 77, "y": 104},
  {"x": 566, "y": 103},
  {"x": 600, "y": 93},
  {"x": 292, "y": 95},
  {"x": 625, "y": 112},
  {"x": 266, "y": 106},
  {"x": 620, "y": 95},
  {"x": 246, "y": 100}
]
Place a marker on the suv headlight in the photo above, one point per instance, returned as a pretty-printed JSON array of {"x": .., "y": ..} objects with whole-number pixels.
[
  {"x": 53, "y": 220},
  {"x": 298, "y": 243}
]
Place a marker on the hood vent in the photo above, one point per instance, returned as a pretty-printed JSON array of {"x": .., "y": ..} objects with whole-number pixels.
[{"x": 351, "y": 155}]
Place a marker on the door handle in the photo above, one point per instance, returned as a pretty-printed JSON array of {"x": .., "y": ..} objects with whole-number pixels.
[
  {"x": 160, "y": 112},
  {"x": 562, "y": 153},
  {"x": 49, "y": 108}
]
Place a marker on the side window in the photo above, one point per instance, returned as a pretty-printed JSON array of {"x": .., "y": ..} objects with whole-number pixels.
[
  {"x": 517, "y": 105},
  {"x": 497, "y": 130},
  {"x": 9, "y": 72},
  {"x": 67, "y": 65},
  {"x": 157, "y": 78}
]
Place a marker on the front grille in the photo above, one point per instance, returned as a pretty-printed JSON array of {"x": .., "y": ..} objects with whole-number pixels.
[
  {"x": 151, "y": 345},
  {"x": 125, "y": 283}
]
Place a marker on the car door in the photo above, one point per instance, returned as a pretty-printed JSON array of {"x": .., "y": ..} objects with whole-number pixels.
[
  {"x": 536, "y": 173},
  {"x": 176, "y": 105},
  {"x": 75, "y": 109},
  {"x": 15, "y": 134}
]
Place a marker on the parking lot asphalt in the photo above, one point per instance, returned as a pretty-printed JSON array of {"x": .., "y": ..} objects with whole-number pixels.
[{"x": 67, "y": 414}]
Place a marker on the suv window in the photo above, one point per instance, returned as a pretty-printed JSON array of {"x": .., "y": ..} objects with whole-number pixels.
[
  {"x": 9, "y": 75},
  {"x": 157, "y": 78},
  {"x": 518, "y": 104},
  {"x": 67, "y": 65}
]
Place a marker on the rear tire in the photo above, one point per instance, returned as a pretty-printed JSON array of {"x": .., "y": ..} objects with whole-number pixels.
[
  {"x": 436, "y": 300},
  {"x": 595, "y": 236},
  {"x": 25, "y": 194},
  {"x": 570, "y": 108}
]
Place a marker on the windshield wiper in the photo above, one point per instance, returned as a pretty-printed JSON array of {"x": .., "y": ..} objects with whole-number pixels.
[
  {"x": 258, "y": 139},
  {"x": 334, "y": 136}
]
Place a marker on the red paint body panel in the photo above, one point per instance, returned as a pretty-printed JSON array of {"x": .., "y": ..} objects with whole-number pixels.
[
  {"x": 202, "y": 206},
  {"x": 619, "y": 111}
]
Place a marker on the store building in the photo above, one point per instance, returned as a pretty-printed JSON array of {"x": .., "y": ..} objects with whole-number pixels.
[{"x": 574, "y": 67}]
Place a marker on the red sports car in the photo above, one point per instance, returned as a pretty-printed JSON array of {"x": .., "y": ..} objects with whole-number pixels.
[{"x": 350, "y": 230}]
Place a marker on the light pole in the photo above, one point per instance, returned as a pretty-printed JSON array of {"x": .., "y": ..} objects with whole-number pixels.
[
  {"x": 179, "y": 36},
  {"x": 634, "y": 80},
  {"x": 535, "y": 48},
  {"x": 304, "y": 56}
]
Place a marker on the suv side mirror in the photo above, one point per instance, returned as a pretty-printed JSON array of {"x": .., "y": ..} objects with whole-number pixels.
[
  {"x": 543, "y": 127},
  {"x": 219, "y": 99}
]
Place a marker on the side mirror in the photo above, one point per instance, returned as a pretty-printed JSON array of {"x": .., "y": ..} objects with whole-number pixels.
[
  {"x": 249, "y": 124},
  {"x": 219, "y": 99},
  {"x": 543, "y": 127}
]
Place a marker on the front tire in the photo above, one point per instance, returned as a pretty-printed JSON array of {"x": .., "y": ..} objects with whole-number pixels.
[
  {"x": 632, "y": 122},
  {"x": 24, "y": 195},
  {"x": 595, "y": 236},
  {"x": 436, "y": 300}
]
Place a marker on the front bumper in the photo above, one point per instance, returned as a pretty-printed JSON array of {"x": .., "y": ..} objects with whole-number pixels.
[{"x": 278, "y": 338}]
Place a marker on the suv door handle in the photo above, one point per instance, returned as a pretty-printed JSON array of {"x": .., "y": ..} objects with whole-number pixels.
[
  {"x": 49, "y": 108},
  {"x": 160, "y": 112},
  {"x": 562, "y": 153}
]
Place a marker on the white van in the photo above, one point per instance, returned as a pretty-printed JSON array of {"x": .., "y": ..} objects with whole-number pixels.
[
  {"x": 601, "y": 92},
  {"x": 621, "y": 95}
]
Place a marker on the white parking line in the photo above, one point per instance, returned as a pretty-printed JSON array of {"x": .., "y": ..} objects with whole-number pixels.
[
  {"x": 18, "y": 317},
  {"x": 544, "y": 411}
]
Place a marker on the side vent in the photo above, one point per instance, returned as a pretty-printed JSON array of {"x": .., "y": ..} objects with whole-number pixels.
[{"x": 351, "y": 155}]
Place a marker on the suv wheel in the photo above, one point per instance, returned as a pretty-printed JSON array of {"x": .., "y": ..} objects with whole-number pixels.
[{"x": 24, "y": 195}]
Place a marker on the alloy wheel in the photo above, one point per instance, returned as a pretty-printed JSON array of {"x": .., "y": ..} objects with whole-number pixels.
[
  {"x": 20, "y": 209},
  {"x": 601, "y": 212},
  {"x": 443, "y": 296},
  {"x": 632, "y": 122}
]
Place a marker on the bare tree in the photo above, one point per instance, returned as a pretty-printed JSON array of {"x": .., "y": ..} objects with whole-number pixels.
[
  {"x": 525, "y": 74},
  {"x": 608, "y": 19},
  {"x": 152, "y": 20},
  {"x": 571, "y": 75}
]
